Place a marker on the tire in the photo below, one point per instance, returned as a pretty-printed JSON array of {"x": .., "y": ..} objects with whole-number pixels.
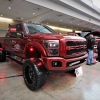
[
  {"x": 2, "y": 56},
  {"x": 34, "y": 76}
]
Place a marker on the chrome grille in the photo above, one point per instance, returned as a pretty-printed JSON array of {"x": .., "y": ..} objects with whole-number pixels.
[
  {"x": 70, "y": 52},
  {"x": 72, "y": 43},
  {"x": 76, "y": 46}
]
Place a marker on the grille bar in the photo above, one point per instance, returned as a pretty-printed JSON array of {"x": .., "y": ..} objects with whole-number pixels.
[
  {"x": 76, "y": 43},
  {"x": 70, "y": 52}
]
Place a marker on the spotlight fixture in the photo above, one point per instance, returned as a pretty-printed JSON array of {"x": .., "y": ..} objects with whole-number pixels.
[{"x": 9, "y": 7}]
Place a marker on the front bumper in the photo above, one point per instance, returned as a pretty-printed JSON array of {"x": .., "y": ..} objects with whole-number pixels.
[{"x": 48, "y": 63}]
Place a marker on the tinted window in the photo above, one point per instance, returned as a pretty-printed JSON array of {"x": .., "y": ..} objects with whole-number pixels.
[{"x": 19, "y": 27}]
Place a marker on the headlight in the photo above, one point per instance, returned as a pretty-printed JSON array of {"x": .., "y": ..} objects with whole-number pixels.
[{"x": 52, "y": 47}]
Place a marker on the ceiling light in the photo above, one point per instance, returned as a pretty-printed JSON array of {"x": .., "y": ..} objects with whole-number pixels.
[
  {"x": 48, "y": 17},
  {"x": 21, "y": 18},
  {"x": 33, "y": 13},
  {"x": 6, "y": 19},
  {"x": 78, "y": 24},
  {"x": 9, "y": 7},
  {"x": 58, "y": 28},
  {"x": 84, "y": 26},
  {"x": 60, "y": 20},
  {"x": 1, "y": 15},
  {"x": 70, "y": 22},
  {"x": 78, "y": 31}
]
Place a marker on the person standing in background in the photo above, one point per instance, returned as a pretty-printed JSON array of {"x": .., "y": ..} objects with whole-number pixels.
[
  {"x": 90, "y": 46},
  {"x": 98, "y": 48}
]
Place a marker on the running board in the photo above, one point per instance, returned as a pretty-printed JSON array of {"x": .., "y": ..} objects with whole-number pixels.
[{"x": 15, "y": 60}]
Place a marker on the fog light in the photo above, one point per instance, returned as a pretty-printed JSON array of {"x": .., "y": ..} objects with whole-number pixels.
[{"x": 56, "y": 64}]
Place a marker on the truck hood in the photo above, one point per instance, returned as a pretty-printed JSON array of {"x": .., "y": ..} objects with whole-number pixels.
[{"x": 54, "y": 36}]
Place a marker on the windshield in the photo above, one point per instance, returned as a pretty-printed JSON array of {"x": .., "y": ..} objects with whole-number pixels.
[{"x": 35, "y": 28}]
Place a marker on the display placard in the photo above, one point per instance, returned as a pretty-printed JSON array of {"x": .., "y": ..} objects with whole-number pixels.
[{"x": 78, "y": 71}]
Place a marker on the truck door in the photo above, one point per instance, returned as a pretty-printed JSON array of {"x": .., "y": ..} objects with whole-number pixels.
[{"x": 17, "y": 44}]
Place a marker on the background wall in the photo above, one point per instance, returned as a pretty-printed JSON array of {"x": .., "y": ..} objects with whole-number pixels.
[{"x": 2, "y": 33}]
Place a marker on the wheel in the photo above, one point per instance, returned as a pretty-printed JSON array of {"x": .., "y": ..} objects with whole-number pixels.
[
  {"x": 2, "y": 56},
  {"x": 34, "y": 76}
]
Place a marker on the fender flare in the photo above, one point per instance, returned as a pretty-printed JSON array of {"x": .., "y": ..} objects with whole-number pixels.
[{"x": 37, "y": 46}]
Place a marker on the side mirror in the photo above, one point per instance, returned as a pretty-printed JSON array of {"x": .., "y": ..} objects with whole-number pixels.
[{"x": 20, "y": 34}]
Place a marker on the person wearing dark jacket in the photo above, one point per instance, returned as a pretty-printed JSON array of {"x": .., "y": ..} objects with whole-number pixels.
[
  {"x": 90, "y": 46},
  {"x": 98, "y": 48}
]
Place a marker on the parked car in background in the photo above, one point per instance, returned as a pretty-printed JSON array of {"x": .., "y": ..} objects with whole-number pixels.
[{"x": 96, "y": 34}]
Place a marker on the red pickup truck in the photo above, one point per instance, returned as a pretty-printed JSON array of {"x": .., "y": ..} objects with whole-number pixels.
[{"x": 43, "y": 50}]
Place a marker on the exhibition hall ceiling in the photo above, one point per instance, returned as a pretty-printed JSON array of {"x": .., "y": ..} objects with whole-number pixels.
[{"x": 22, "y": 10}]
